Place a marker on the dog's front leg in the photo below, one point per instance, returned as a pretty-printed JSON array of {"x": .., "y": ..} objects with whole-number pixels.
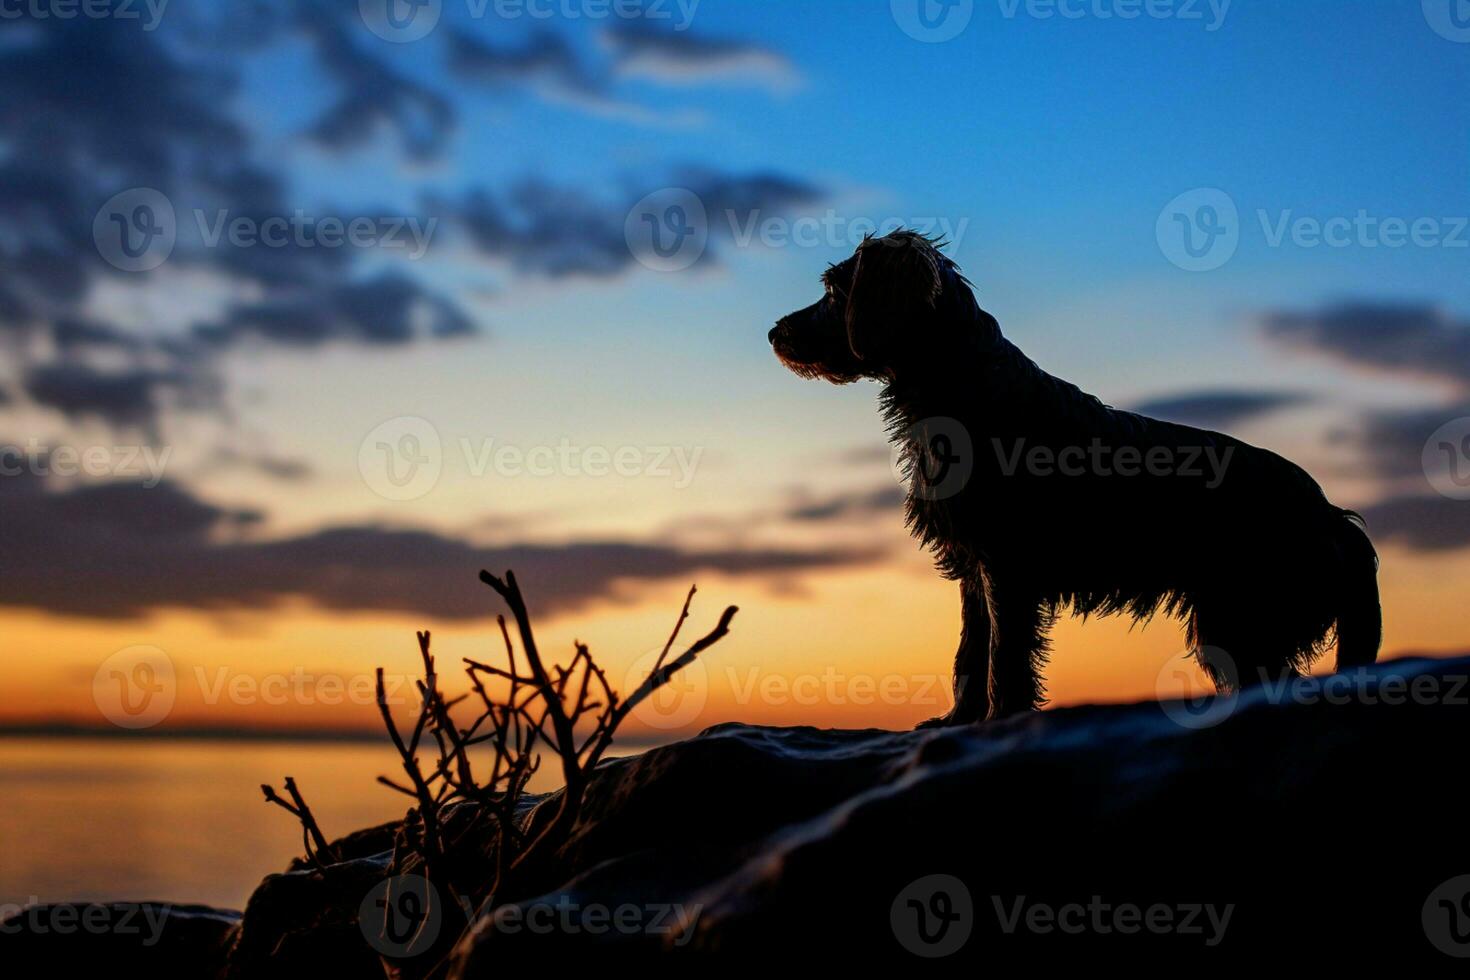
[
  {"x": 971, "y": 662},
  {"x": 1018, "y": 648}
]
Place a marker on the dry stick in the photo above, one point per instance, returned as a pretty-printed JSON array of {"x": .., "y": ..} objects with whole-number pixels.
[
  {"x": 659, "y": 678},
  {"x": 303, "y": 813},
  {"x": 560, "y": 723},
  {"x": 421, "y": 791}
]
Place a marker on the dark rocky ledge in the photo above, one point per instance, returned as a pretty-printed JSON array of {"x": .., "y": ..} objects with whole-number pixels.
[{"x": 1327, "y": 822}]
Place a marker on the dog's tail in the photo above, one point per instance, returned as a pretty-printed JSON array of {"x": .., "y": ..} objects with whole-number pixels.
[{"x": 1359, "y": 614}]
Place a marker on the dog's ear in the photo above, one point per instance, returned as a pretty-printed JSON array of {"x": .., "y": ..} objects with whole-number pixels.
[{"x": 896, "y": 279}]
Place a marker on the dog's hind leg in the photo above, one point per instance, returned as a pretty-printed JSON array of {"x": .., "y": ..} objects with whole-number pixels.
[
  {"x": 1020, "y": 620},
  {"x": 1239, "y": 645},
  {"x": 972, "y": 661}
]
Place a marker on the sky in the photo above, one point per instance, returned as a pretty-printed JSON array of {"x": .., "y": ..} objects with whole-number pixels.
[{"x": 252, "y": 453}]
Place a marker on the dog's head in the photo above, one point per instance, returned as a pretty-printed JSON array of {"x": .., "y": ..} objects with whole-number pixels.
[{"x": 888, "y": 308}]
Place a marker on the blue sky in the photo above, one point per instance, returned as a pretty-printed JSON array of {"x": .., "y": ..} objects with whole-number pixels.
[{"x": 1049, "y": 146}]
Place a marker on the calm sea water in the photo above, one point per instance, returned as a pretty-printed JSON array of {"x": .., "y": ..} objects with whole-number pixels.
[{"x": 173, "y": 820}]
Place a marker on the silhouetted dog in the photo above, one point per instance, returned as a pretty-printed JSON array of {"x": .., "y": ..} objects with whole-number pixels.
[{"x": 1034, "y": 495}]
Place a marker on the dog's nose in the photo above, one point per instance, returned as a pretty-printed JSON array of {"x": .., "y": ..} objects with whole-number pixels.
[{"x": 772, "y": 335}]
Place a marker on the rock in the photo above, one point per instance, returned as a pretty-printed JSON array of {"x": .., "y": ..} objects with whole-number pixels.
[
  {"x": 95, "y": 939},
  {"x": 1304, "y": 826},
  {"x": 1288, "y": 826}
]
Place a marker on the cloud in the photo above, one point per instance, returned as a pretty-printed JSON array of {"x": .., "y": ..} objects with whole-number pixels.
[
  {"x": 1414, "y": 340},
  {"x": 388, "y": 309},
  {"x": 1219, "y": 408},
  {"x": 556, "y": 231},
  {"x": 122, "y": 398},
  {"x": 670, "y": 57},
  {"x": 122, "y": 550},
  {"x": 1421, "y": 522},
  {"x": 858, "y": 504},
  {"x": 372, "y": 96},
  {"x": 1391, "y": 441}
]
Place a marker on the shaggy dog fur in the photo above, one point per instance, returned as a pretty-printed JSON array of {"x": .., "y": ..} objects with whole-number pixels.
[{"x": 1036, "y": 496}]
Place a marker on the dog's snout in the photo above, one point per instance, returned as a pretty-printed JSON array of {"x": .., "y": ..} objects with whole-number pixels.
[{"x": 774, "y": 332}]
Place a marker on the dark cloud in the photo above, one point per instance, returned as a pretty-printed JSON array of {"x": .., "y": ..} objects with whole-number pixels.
[
  {"x": 1421, "y": 522},
  {"x": 89, "y": 109},
  {"x": 546, "y": 57},
  {"x": 1219, "y": 408},
  {"x": 122, "y": 398},
  {"x": 371, "y": 95},
  {"x": 389, "y": 309},
  {"x": 1415, "y": 340},
  {"x": 864, "y": 503},
  {"x": 275, "y": 467},
  {"x": 643, "y": 49},
  {"x": 551, "y": 230},
  {"x": 122, "y": 550},
  {"x": 1391, "y": 442}
]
